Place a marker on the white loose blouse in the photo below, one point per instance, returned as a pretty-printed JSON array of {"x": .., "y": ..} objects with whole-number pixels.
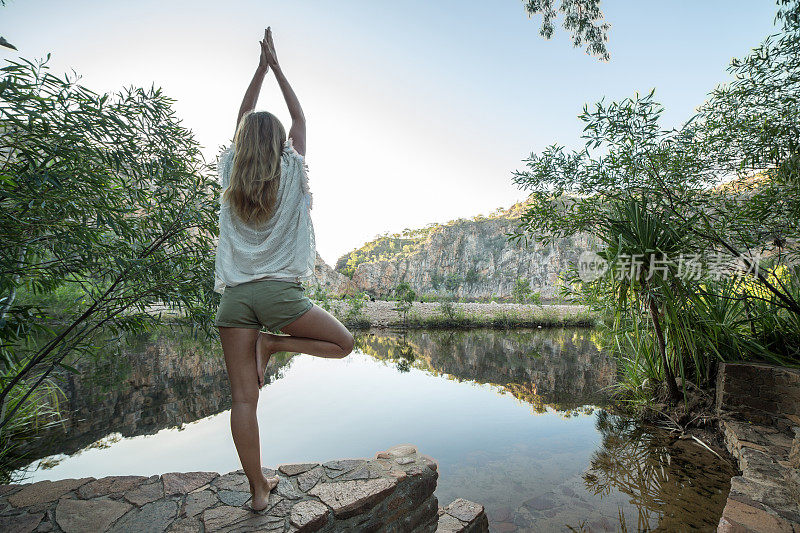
[{"x": 284, "y": 247}]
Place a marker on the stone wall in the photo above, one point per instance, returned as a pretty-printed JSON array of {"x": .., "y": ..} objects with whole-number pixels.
[
  {"x": 392, "y": 493},
  {"x": 765, "y": 394},
  {"x": 759, "y": 410}
]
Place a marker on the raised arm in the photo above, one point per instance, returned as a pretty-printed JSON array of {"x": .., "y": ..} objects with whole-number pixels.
[
  {"x": 251, "y": 95},
  {"x": 298, "y": 129}
]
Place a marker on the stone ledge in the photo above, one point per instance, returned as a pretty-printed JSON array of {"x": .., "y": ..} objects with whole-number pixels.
[
  {"x": 462, "y": 516},
  {"x": 758, "y": 409},
  {"x": 391, "y": 493}
]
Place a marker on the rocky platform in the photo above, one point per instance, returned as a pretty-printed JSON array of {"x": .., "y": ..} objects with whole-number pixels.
[
  {"x": 391, "y": 493},
  {"x": 759, "y": 408}
]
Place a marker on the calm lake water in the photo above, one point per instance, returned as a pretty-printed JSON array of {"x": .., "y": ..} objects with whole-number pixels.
[{"x": 515, "y": 419}]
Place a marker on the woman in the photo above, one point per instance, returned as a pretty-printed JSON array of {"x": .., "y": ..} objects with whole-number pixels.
[{"x": 266, "y": 247}]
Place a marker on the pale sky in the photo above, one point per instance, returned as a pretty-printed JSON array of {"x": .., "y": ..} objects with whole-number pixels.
[{"x": 417, "y": 111}]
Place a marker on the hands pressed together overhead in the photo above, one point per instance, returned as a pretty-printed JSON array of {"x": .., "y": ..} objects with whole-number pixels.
[
  {"x": 268, "y": 56},
  {"x": 269, "y": 59}
]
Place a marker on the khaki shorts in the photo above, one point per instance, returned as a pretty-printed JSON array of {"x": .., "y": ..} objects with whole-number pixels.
[{"x": 267, "y": 303}]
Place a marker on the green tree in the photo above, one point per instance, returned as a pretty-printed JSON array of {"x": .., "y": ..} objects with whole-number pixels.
[
  {"x": 355, "y": 307},
  {"x": 106, "y": 194},
  {"x": 522, "y": 290},
  {"x": 322, "y": 296},
  {"x": 405, "y": 354},
  {"x": 582, "y": 18},
  {"x": 723, "y": 187},
  {"x": 404, "y": 300}
]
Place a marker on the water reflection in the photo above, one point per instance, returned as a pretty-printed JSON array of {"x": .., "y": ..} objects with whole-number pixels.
[
  {"x": 151, "y": 382},
  {"x": 672, "y": 483},
  {"x": 562, "y": 369},
  {"x": 512, "y": 418}
]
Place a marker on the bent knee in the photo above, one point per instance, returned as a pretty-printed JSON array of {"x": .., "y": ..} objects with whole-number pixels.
[{"x": 347, "y": 344}]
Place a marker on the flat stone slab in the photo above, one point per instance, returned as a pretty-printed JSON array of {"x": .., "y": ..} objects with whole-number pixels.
[
  {"x": 89, "y": 515},
  {"x": 306, "y": 480},
  {"x": 462, "y": 516},
  {"x": 448, "y": 524},
  {"x": 296, "y": 468},
  {"x": 197, "y": 502},
  {"x": 233, "y": 497},
  {"x": 342, "y": 466},
  {"x": 146, "y": 492},
  {"x": 464, "y": 510},
  {"x": 232, "y": 481},
  {"x": 347, "y": 498},
  {"x": 110, "y": 485},
  {"x": 154, "y": 516},
  {"x": 20, "y": 524},
  {"x": 309, "y": 515},
  {"x": 181, "y": 483},
  {"x": 286, "y": 489},
  {"x": 45, "y": 491},
  {"x": 341, "y": 495},
  {"x": 219, "y": 518},
  {"x": 186, "y": 525}
]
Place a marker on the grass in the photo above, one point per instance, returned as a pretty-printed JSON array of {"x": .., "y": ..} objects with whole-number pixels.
[
  {"x": 39, "y": 411},
  {"x": 450, "y": 315},
  {"x": 502, "y": 320}
]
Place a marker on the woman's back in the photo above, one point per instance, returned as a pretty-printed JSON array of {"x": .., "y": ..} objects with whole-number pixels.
[
  {"x": 284, "y": 247},
  {"x": 266, "y": 182}
]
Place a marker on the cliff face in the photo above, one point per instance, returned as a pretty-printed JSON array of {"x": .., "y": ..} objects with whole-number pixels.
[
  {"x": 328, "y": 279},
  {"x": 468, "y": 258}
]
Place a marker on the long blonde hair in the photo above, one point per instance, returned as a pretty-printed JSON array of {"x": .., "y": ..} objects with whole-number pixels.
[{"x": 253, "y": 188}]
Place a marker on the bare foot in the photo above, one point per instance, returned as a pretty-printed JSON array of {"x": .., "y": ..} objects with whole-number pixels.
[
  {"x": 265, "y": 347},
  {"x": 260, "y": 496}
]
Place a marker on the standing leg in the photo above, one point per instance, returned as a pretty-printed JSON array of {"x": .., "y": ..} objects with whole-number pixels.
[
  {"x": 316, "y": 332},
  {"x": 238, "y": 345}
]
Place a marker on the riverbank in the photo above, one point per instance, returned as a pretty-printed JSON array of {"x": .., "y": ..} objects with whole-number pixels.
[
  {"x": 454, "y": 315},
  {"x": 392, "y": 492},
  {"x": 382, "y": 314}
]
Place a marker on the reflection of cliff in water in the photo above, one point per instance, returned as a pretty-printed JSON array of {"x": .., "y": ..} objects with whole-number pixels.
[
  {"x": 168, "y": 379},
  {"x": 154, "y": 382},
  {"x": 561, "y": 368}
]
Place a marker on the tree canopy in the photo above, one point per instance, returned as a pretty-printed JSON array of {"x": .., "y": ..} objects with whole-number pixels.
[
  {"x": 105, "y": 195},
  {"x": 724, "y": 189},
  {"x": 582, "y": 18}
]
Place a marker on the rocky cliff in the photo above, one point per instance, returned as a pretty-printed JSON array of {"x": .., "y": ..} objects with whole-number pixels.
[
  {"x": 329, "y": 280},
  {"x": 467, "y": 258}
]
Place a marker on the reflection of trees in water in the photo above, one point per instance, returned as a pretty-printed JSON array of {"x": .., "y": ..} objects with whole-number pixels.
[
  {"x": 406, "y": 355},
  {"x": 659, "y": 474},
  {"x": 154, "y": 381},
  {"x": 393, "y": 347},
  {"x": 560, "y": 368}
]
